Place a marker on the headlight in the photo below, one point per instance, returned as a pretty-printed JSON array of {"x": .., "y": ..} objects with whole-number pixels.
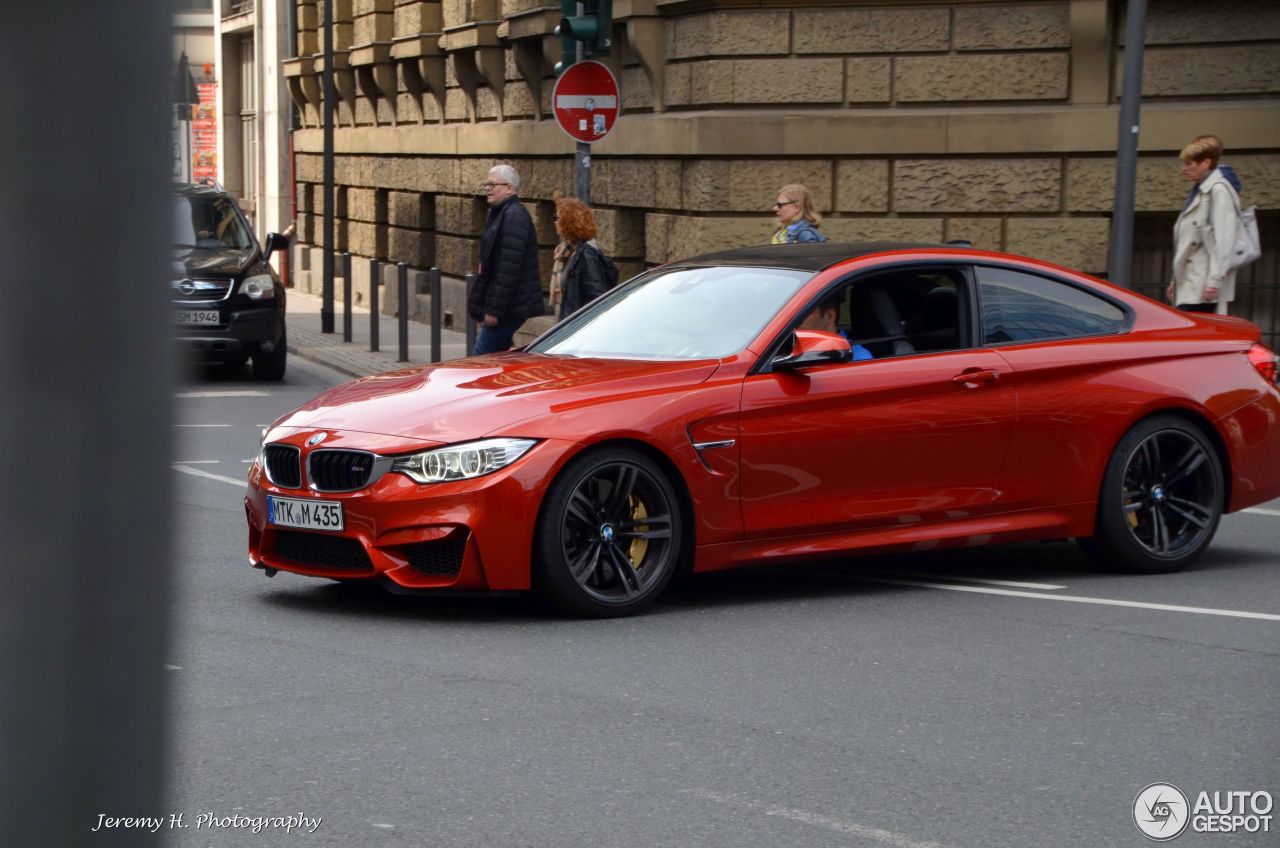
[
  {"x": 259, "y": 287},
  {"x": 462, "y": 462}
]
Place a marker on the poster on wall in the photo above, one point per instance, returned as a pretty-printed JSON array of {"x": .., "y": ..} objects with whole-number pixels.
[{"x": 204, "y": 134}]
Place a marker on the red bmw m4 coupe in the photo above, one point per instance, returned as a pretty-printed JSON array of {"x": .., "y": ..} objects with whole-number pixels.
[{"x": 777, "y": 404}]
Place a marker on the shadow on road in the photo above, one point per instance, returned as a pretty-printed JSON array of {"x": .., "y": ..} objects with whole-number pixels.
[
  {"x": 374, "y": 601},
  {"x": 1061, "y": 562}
]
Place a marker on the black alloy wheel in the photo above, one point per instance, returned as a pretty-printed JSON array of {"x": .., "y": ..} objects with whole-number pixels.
[
  {"x": 1161, "y": 500},
  {"x": 609, "y": 536}
]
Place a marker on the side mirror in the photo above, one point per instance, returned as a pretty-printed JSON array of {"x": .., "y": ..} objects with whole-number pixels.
[
  {"x": 274, "y": 242},
  {"x": 814, "y": 347}
]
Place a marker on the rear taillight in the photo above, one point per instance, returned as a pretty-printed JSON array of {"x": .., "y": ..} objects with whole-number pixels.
[{"x": 1265, "y": 361}]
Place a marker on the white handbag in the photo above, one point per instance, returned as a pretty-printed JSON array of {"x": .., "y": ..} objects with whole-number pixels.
[{"x": 1248, "y": 246}]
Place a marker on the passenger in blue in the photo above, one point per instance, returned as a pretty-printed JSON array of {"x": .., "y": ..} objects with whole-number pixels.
[{"x": 824, "y": 316}]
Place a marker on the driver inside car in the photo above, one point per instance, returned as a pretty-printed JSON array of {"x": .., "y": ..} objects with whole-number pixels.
[{"x": 823, "y": 317}]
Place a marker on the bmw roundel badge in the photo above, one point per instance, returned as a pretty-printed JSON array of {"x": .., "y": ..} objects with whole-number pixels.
[{"x": 316, "y": 439}]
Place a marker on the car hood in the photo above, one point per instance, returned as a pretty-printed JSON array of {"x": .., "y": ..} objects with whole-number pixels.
[
  {"x": 469, "y": 398},
  {"x": 202, "y": 262}
]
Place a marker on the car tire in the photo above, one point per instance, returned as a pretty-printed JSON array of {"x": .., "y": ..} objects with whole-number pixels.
[
  {"x": 233, "y": 367},
  {"x": 609, "y": 535},
  {"x": 1161, "y": 498},
  {"x": 270, "y": 366}
]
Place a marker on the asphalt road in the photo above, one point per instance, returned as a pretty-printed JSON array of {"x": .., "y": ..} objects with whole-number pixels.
[{"x": 913, "y": 701}]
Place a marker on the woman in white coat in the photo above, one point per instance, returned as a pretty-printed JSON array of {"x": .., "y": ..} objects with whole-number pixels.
[{"x": 1205, "y": 233}]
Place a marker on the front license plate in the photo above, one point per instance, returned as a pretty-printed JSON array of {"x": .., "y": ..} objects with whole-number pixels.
[
  {"x": 199, "y": 317},
  {"x": 309, "y": 515}
]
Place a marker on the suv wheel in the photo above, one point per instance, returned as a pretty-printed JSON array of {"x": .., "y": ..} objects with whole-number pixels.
[{"x": 270, "y": 366}]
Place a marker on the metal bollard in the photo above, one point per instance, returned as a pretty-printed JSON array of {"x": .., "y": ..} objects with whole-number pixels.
[
  {"x": 402, "y": 269},
  {"x": 471, "y": 325},
  {"x": 437, "y": 314},
  {"x": 346, "y": 295},
  {"x": 374, "y": 324}
]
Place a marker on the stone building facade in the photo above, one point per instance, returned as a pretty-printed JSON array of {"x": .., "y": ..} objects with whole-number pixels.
[{"x": 909, "y": 119}]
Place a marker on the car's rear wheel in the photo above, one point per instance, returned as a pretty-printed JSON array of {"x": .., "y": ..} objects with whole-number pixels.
[
  {"x": 270, "y": 366},
  {"x": 1161, "y": 498},
  {"x": 609, "y": 535}
]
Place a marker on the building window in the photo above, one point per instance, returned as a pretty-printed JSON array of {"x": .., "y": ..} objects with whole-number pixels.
[{"x": 248, "y": 119}]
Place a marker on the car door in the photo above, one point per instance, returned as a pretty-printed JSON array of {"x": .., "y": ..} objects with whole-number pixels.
[
  {"x": 893, "y": 440},
  {"x": 1063, "y": 341}
]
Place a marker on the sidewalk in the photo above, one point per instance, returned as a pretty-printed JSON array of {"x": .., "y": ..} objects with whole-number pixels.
[{"x": 354, "y": 358}]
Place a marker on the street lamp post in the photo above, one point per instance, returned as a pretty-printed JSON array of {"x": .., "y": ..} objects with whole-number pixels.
[{"x": 1120, "y": 268}]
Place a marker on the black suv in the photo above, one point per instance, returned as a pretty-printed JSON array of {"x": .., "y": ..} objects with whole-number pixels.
[{"x": 229, "y": 303}]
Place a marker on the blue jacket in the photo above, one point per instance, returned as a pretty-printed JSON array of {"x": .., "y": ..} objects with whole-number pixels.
[{"x": 802, "y": 232}]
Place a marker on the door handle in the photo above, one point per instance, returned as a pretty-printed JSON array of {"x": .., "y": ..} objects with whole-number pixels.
[{"x": 972, "y": 378}]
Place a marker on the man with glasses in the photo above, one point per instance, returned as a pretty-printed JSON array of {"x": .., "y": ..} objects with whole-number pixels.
[{"x": 508, "y": 289}]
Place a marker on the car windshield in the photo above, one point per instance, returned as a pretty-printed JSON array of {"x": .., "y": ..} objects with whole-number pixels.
[
  {"x": 685, "y": 313},
  {"x": 208, "y": 222}
]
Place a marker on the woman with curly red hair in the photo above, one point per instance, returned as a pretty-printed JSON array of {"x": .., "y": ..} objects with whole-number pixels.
[{"x": 580, "y": 274}]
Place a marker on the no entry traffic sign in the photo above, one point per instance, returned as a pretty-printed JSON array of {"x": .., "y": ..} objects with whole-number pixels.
[{"x": 586, "y": 101}]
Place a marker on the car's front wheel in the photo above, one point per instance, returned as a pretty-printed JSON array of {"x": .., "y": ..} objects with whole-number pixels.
[
  {"x": 1161, "y": 498},
  {"x": 609, "y": 535},
  {"x": 270, "y": 366}
]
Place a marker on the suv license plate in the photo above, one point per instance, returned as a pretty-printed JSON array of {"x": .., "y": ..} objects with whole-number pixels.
[
  {"x": 199, "y": 317},
  {"x": 307, "y": 514}
]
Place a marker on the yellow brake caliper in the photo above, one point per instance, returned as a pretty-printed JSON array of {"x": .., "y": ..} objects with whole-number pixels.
[{"x": 638, "y": 546}]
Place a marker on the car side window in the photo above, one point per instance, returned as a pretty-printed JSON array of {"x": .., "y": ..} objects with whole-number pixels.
[
  {"x": 1022, "y": 307},
  {"x": 909, "y": 310}
]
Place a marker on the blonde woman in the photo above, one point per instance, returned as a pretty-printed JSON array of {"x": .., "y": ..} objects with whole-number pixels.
[
  {"x": 1205, "y": 233},
  {"x": 798, "y": 221}
]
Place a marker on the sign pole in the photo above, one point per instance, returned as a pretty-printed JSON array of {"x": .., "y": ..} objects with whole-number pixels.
[
  {"x": 582, "y": 172},
  {"x": 586, "y": 103},
  {"x": 582, "y": 150}
]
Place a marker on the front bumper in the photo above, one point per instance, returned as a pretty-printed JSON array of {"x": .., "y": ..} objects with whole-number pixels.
[
  {"x": 241, "y": 333},
  {"x": 473, "y": 535}
]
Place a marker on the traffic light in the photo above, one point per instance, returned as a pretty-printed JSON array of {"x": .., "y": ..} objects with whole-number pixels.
[{"x": 594, "y": 28}]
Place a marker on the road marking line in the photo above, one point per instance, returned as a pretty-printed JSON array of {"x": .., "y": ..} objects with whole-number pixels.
[
  {"x": 196, "y": 472},
  {"x": 229, "y": 393},
  {"x": 1012, "y": 584},
  {"x": 862, "y": 831},
  {"x": 1077, "y": 599},
  {"x": 1257, "y": 510},
  {"x": 204, "y": 425}
]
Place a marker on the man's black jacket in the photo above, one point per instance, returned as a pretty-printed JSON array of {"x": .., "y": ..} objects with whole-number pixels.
[{"x": 509, "y": 285}]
